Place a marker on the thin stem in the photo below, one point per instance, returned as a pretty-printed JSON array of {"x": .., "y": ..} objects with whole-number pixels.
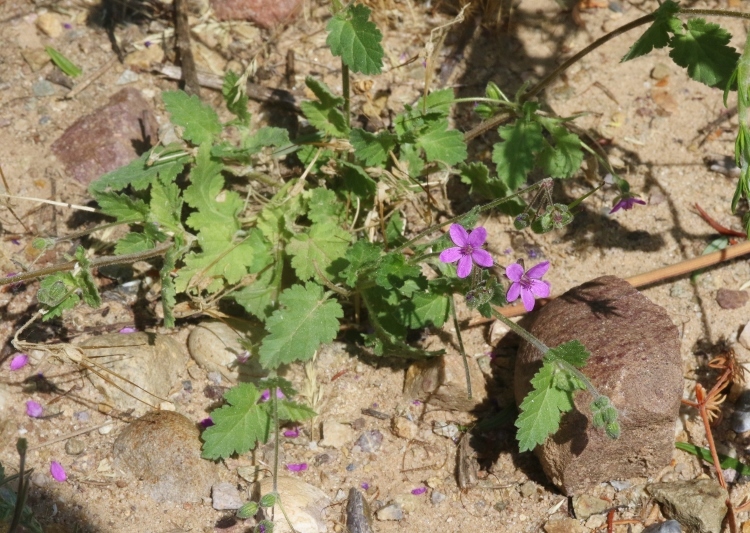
[
  {"x": 97, "y": 262},
  {"x": 345, "y": 89},
  {"x": 276, "y": 441},
  {"x": 23, "y": 488},
  {"x": 518, "y": 330},
  {"x": 461, "y": 346}
]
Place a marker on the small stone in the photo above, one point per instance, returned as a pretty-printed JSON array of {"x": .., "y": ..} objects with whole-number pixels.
[
  {"x": 74, "y": 447},
  {"x": 36, "y": 58},
  {"x": 370, "y": 441},
  {"x": 564, "y": 525},
  {"x": 390, "y": 512},
  {"x": 336, "y": 435},
  {"x": 248, "y": 473},
  {"x": 437, "y": 497},
  {"x": 103, "y": 140},
  {"x": 445, "y": 429},
  {"x": 670, "y": 526},
  {"x": 304, "y": 504},
  {"x": 585, "y": 505},
  {"x": 42, "y": 88},
  {"x": 225, "y": 496},
  {"x": 744, "y": 338},
  {"x": 264, "y": 13},
  {"x": 741, "y": 415},
  {"x": 527, "y": 489},
  {"x": 699, "y": 504},
  {"x": 128, "y": 76},
  {"x": 50, "y": 24},
  {"x": 163, "y": 450},
  {"x": 143, "y": 59},
  {"x": 214, "y": 377},
  {"x": 619, "y": 485},
  {"x": 106, "y": 429},
  {"x": 729, "y": 299},
  {"x": 660, "y": 71},
  {"x": 358, "y": 514},
  {"x": 40, "y": 479},
  {"x": 404, "y": 428}
]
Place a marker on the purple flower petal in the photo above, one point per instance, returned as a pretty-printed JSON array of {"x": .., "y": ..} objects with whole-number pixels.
[
  {"x": 482, "y": 258},
  {"x": 206, "y": 422},
  {"x": 365, "y": 485},
  {"x": 464, "y": 266},
  {"x": 514, "y": 273},
  {"x": 128, "y": 329},
  {"x": 57, "y": 471},
  {"x": 19, "y": 361},
  {"x": 33, "y": 409},
  {"x": 266, "y": 395},
  {"x": 540, "y": 289},
  {"x": 459, "y": 236},
  {"x": 528, "y": 300},
  {"x": 451, "y": 255},
  {"x": 418, "y": 491},
  {"x": 537, "y": 271},
  {"x": 513, "y": 292},
  {"x": 292, "y": 433},
  {"x": 296, "y": 467},
  {"x": 477, "y": 237}
]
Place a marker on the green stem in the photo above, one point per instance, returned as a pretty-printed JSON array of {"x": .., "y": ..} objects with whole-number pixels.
[
  {"x": 346, "y": 91},
  {"x": 23, "y": 489},
  {"x": 570, "y": 369},
  {"x": 276, "y": 441},
  {"x": 461, "y": 346},
  {"x": 518, "y": 330}
]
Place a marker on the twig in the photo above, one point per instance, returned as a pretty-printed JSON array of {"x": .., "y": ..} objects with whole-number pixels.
[
  {"x": 718, "y": 227},
  {"x": 184, "y": 51},
  {"x": 68, "y": 436}
]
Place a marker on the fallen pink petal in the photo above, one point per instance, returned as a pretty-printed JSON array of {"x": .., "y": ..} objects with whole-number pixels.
[
  {"x": 33, "y": 409},
  {"x": 57, "y": 471},
  {"x": 296, "y": 467},
  {"x": 418, "y": 491},
  {"x": 626, "y": 203},
  {"x": 365, "y": 485},
  {"x": 19, "y": 361},
  {"x": 292, "y": 433},
  {"x": 128, "y": 329}
]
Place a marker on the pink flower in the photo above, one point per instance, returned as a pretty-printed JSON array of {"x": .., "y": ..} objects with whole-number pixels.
[
  {"x": 57, "y": 471},
  {"x": 527, "y": 284},
  {"x": 418, "y": 491},
  {"x": 292, "y": 433},
  {"x": 266, "y": 395},
  {"x": 128, "y": 329},
  {"x": 626, "y": 203},
  {"x": 296, "y": 467},
  {"x": 19, "y": 361},
  {"x": 33, "y": 409},
  {"x": 467, "y": 250}
]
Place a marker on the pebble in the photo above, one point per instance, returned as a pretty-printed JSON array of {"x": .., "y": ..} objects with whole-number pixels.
[
  {"x": 390, "y": 512},
  {"x": 744, "y": 338},
  {"x": 445, "y": 429},
  {"x": 143, "y": 59},
  {"x": 730, "y": 299},
  {"x": 36, "y": 58},
  {"x": 225, "y": 496},
  {"x": 670, "y": 526},
  {"x": 585, "y": 505},
  {"x": 660, "y": 71},
  {"x": 265, "y": 13},
  {"x": 370, "y": 441},
  {"x": 50, "y": 24},
  {"x": 336, "y": 435},
  {"x": 128, "y": 76},
  {"x": 40, "y": 479},
  {"x": 163, "y": 450},
  {"x": 74, "y": 447},
  {"x": 106, "y": 430},
  {"x": 404, "y": 428},
  {"x": 358, "y": 514},
  {"x": 42, "y": 88},
  {"x": 437, "y": 497},
  {"x": 304, "y": 504},
  {"x": 564, "y": 525},
  {"x": 699, "y": 504},
  {"x": 527, "y": 489},
  {"x": 741, "y": 415}
]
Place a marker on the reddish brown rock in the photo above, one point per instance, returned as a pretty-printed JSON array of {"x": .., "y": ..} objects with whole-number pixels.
[
  {"x": 729, "y": 299},
  {"x": 635, "y": 360},
  {"x": 107, "y": 139},
  {"x": 264, "y": 13}
]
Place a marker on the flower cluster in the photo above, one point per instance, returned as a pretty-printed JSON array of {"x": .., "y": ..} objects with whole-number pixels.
[{"x": 525, "y": 284}]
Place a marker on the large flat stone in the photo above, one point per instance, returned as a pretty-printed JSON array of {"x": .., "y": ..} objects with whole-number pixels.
[
  {"x": 264, "y": 13},
  {"x": 635, "y": 360}
]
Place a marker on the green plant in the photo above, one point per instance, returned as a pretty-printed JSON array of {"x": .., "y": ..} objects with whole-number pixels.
[{"x": 13, "y": 508}]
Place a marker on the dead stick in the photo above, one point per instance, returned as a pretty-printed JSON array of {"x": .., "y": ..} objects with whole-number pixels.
[
  {"x": 185, "y": 52},
  {"x": 641, "y": 280},
  {"x": 85, "y": 83}
]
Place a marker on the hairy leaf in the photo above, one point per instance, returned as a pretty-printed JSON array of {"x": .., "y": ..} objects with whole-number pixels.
[
  {"x": 353, "y": 37},
  {"x": 703, "y": 49},
  {"x": 515, "y": 156},
  {"x": 122, "y": 207},
  {"x": 315, "y": 251},
  {"x": 57, "y": 293},
  {"x": 442, "y": 144},
  {"x": 323, "y": 205},
  {"x": 199, "y": 122},
  {"x": 371, "y": 148},
  {"x": 657, "y": 35},
  {"x": 357, "y": 181},
  {"x": 259, "y": 297},
  {"x": 573, "y": 353},
  {"x": 361, "y": 255},
  {"x": 139, "y": 174},
  {"x": 307, "y": 319},
  {"x": 564, "y": 158},
  {"x": 215, "y": 206}
]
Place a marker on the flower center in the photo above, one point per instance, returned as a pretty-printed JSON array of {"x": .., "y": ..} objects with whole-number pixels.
[{"x": 467, "y": 250}]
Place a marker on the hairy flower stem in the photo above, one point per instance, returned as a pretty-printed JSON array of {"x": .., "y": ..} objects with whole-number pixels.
[
  {"x": 518, "y": 330},
  {"x": 461, "y": 347},
  {"x": 275, "y": 401},
  {"x": 23, "y": 486},
  {"x": 347, "y": 93}
]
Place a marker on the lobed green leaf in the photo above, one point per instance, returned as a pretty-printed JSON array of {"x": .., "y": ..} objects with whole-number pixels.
[
  {"x": 199, "y": 122},
  {"x": 354, "y": 38}
]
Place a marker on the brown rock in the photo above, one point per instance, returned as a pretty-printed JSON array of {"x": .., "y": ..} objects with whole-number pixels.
[
  {"x": 103, "y": 141},
  {"x": 163, "y": 450},
  {"x": 441, "y": 381},
  {"x": 635, "y": 361},
  {"x": 699, "y": 504},
  {"x": 264, "y": 13},
  {"x": 729, "y": 299}
]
